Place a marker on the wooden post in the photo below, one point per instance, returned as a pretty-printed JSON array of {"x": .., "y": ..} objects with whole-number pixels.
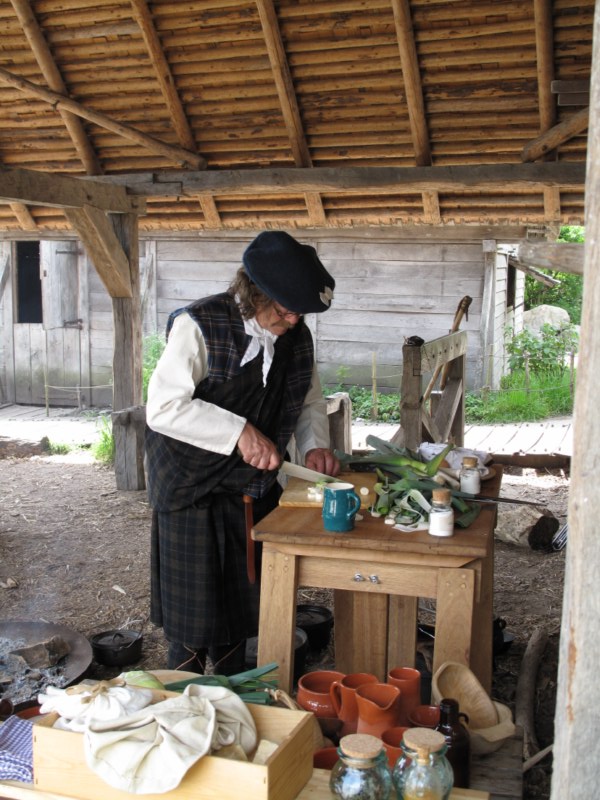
[{"x": 577, "y": 744}]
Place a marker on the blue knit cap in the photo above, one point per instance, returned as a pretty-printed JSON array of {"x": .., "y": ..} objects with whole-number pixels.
[{"x": 289, "y": 272}]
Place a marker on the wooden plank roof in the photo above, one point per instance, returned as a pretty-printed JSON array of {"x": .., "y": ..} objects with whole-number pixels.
[{"x": 227, "y": 114}]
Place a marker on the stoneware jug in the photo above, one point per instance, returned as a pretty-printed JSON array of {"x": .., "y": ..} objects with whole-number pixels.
[
  {"x": 340, "y": 504},
  {"x": 408, "y": 680},
  {"x": 343, "y": 698},
  {"x": 378, "y": 708},
  {"x": 313, "y": 691}
]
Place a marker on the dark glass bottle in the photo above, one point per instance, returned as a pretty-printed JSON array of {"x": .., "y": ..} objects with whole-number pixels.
[{"x": 457, "y": 740}]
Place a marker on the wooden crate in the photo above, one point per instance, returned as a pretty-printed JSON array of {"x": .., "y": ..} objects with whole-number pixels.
[{"x": 59, "y": 765}]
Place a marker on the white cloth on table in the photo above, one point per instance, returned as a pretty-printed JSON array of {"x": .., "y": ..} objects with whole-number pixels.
[
  {"x": 429, "y": 450},
  {"x": 75, "y": 710},
  {"x": 151, "y": 751}
]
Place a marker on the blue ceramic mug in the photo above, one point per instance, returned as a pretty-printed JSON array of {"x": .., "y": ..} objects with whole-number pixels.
[{"x": 340, "y": 504}]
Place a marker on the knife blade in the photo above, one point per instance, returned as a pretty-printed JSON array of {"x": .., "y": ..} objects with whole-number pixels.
[
  {"x": 470, "y": 499},
  {"x": 296, "y": 471}
]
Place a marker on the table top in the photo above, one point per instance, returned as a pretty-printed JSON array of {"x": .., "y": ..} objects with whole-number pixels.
[{"x": 304, "y": 526}]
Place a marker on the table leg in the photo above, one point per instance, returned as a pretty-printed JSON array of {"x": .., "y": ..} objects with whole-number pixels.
[
  {"x": 454, "y": 617},
  {"x": 482, "y": 649},
  {"x": 277, "y": 618},
  {"x": 402, "y": 639},
  {"x": 360, "y": 629}
]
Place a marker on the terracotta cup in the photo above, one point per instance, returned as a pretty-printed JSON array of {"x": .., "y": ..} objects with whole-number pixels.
[
  {"x": 378, "y": 707},
  {"x": 313, "y": 691},
  {"x": 391, "y": 741},
  {"x": 325, "y": 758},
  {"x": 343, "y": 698},
  {"x": 424, "y": 716},
  {"x": 408, "y": 680}
]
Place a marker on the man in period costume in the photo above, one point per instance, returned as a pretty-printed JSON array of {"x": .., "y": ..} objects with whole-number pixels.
[{"x": 236, "y": 380}]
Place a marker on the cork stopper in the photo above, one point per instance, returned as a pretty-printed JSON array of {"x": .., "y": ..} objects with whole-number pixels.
[
  {"x": 441, "y": 496},
  {"x": 469, "y": 461},
  {"x": 423, "y": 740},
  {"x": 361, "y": 745}
]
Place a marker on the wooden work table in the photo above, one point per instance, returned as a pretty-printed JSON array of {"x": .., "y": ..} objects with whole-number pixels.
[{"x": 378, "y": 574}]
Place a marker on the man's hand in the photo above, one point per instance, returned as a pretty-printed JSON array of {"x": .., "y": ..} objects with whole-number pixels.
[
  {"x": 257, "y": 449},
  {"x": 322, "y": 460}
]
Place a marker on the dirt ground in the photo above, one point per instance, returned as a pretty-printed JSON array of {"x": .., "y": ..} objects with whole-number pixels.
[{"x": 75, "y": 551}]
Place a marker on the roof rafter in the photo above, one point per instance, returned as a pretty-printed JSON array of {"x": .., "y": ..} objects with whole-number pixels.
[
  {"x": 288, "y": 101},
  {"x": 409, "y": 61},
  {"x": 544, "y": 43},
  {"x": 162, "y": 70}
]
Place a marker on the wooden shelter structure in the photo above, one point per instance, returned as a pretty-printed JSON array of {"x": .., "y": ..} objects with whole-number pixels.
[{"x": 126, "y": 118}]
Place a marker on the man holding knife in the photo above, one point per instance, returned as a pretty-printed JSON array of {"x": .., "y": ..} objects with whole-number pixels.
[{"x": 236, "y": 380}]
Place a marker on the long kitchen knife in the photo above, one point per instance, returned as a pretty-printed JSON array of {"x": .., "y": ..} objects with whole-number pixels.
[{"x": 296, "y": 471}]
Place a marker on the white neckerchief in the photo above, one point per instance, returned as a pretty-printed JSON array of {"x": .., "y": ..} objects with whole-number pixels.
[{"x": 260, "y": 338}]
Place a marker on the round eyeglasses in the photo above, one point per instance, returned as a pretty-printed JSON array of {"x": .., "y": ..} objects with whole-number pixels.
[{"x": 285, "y": 314}]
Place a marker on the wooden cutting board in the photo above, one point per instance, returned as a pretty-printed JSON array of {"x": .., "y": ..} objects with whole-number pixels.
[{"x": 295, "y": 494}]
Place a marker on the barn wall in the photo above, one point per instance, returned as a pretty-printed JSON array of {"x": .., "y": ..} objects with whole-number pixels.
[{"x": 387, "y": 289}]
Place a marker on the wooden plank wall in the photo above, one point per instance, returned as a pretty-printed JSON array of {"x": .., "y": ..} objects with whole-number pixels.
[
  {"x": 385, "y": 291},
  {"x": 7, "y": 367}
]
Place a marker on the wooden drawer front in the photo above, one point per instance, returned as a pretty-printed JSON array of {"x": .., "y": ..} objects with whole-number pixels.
[{"x": 374, "y": 577}]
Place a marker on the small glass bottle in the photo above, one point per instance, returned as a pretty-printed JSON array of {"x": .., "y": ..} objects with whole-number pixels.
[
  {"x": 441, "y": 516},
  {"x": 422, "y": 772},
  {"x": 470, "y": 477},
  {"x": 457, "y": 741},
  {"x": 362, "y": 772}
]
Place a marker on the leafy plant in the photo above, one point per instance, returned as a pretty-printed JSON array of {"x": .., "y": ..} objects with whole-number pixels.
[
  {"x": 543, "y": 354},
  {"x": 152, "y": 348},
  {"x": 104, "y": 449},
  {"x": 568, "y": 294},
  {"x": 58, "y": 448}
]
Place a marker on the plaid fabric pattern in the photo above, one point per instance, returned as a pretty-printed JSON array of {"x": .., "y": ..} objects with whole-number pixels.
[
  {"x": 16, "y": 750},
  {"x": 199, "y": 588}
]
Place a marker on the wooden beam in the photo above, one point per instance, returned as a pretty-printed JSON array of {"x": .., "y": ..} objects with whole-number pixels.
[
  {"x": 23, "y": 214},
  {"x": 578, "y": 690},
  {"x": 534, "y": 273},
  {"x": 560, "y": 256},
  {"x": 103, "y": 248},
  {"x": 64, "y": 191},
  {"x": 51, "y": 73},
  {"x": 288, "y": 101},
  {"x": 174, "y": 154},
  {"x": 162, "y": 72},
  {"x": 371, "y": 180},
  {"x": 409, "y": 60},
  {"x": 556, "y": 136}
]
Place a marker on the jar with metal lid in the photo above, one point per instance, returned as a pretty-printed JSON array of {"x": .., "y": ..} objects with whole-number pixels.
[
  {"x": 441, "y": 516},
  {"x": 362, "y": 772},
  {"x": 470, "y": 477},
  {"x": 423, "y": 771}
]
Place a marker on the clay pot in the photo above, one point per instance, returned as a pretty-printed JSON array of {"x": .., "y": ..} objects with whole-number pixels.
[
  {"x": 343, "y": 698},
  {"x": 424, "y": 716},
  {"x": 313, "y": 691},
  {"x": 408, "y": 680},
  {"x": 378, "y": 707},
  {"x": 325, "y": 758},
  {"x": 391, "y": 741}
]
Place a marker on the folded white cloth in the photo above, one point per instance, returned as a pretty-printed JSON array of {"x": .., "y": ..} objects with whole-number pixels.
[
  {"x": 150, "y": 751},
  {"x": 454, "y": 458},
  {"x": 77, "y": 705}
]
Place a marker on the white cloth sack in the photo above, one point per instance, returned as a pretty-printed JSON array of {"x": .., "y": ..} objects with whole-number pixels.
[
  {"x": 430, "y": 450},
  {"x": 150, "y": 751},
  {"x": 75, "y": 710}
]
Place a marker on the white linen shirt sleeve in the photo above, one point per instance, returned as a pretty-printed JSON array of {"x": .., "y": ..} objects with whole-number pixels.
[
  {"x": 171, "y": 409},
  {"x": 312, "y": 428}
]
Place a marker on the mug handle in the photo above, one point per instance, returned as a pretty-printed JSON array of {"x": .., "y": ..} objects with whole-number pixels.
[
  {"x": 356, "y": 503},
  {"x": 335, "y": 692}
]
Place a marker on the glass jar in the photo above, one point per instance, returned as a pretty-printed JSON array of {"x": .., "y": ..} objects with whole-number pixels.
[
  {"x": 441, "y": 516},
  {"x": 362, "y": 772},
  {"x": 434, "y": 767},
  {"x": 457, "y": 741},
  {"x": 470, "y": 477}
]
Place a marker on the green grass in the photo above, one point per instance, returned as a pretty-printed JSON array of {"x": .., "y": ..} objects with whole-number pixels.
[
  {"x": 104, "y": 449},
  {"x": 59, "y": 448}
]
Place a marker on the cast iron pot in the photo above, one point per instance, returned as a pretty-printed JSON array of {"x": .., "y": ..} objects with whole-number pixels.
[
  {"x": 300, "y": 653},
  {"x": 117, "y": 648},
  {"x": 317, "y": 622}
]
